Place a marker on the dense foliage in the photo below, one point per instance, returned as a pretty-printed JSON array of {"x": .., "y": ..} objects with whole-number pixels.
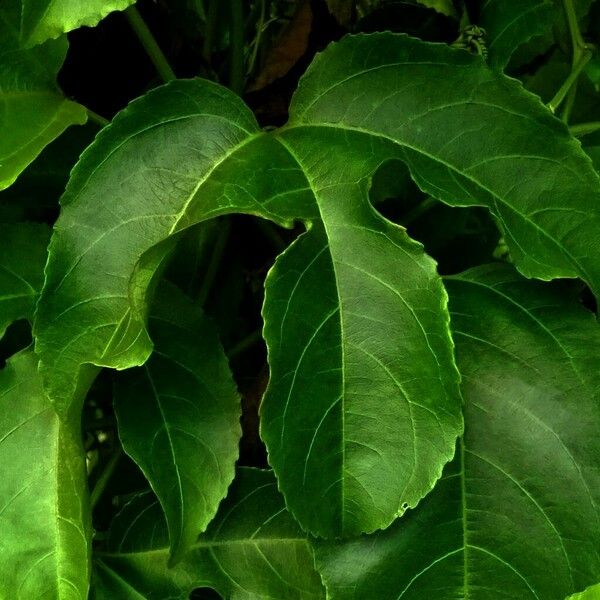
[{"x": 406, "y": 405}]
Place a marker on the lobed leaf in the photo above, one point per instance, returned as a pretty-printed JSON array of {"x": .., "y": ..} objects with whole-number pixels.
[
  {"x": 46, "y": 535},
  {"x": 191, "y": 151},
  {"x": 494, "y": 527},
  {"x": 33, "y": 111},
  {"x": 179, "y": 418},
  {"x": 253, "y": 549},
  {"x": 469, "y": 136}
]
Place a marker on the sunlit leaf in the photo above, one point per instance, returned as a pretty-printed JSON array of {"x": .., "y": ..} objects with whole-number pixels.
[{"x": 43, "y": 499}]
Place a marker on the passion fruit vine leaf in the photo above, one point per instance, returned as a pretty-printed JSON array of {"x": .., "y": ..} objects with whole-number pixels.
[
  {"x": 42, "y": 20},
  {"x": 22, "y": 260},
  {"x": 494, "y": 526},
  {"x": 44, "y": 515},
  {"x": 33, "y": 111},
  {"x": 179, "y": 417},
  {"x": 191, "y": 151},
  {"x": 252, "y": 549}
]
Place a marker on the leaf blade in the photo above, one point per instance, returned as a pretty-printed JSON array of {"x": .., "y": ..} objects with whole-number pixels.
[
  {"x": 46, "y": 534},
  {"x": 184, "y": 400},
  {"x": 530, "y": 411},
  {"x": 253, "y": 549}
]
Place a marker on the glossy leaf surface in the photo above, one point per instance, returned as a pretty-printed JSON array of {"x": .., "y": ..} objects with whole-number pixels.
[
  {"x": 362, "y": 408},
  {"x": 253, "y": 549},
  {"x": 42, "y": 20},
  {"x": 33, "y": 111},
  {"x": 516, "y": 158},
  {"x": 494, "y": 527},
  {"x": 43, "y": 499},
  {"x": 191, "y": 151},
  {"x": 22, "y": 260},
  {"x": 179, "y": 417}
]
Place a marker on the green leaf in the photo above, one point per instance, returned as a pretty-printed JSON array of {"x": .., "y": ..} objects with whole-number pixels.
[
  {"x": 591, "y": 593},
  {"x": 22, "y": 260},
  {"x": 253, "y": 549},
  {"x": 191, "y": 151},
  {"x": 179, "y": 417},
  {"x": 33, "y": 110},
  {"x": 183, "y": 153},
  {"x": 42, "y": 20},
  {"x": 510, "y": 24},
  {"x": 516, "y": 158},
  {"x": 362, "y": 409},
  {"x": 43, "y": 503},
  {"x": 445, "y": 7},
  {"x": 516, "y": 515}
]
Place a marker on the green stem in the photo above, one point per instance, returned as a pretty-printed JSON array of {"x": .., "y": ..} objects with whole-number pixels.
[
  {"x": 259, "y": 31},
  {"x": 96, "y": 118},
  {"x": 582, "y": 129},
  {"x": 580, "y": 57},
  {"x": 577, "y": 41},
  {"x": 569, "y": 82},
  {"x": 236, "y": 48},
  {"x": 211, "y": 27},
  {"x": 244, "y": 344},
  {"x": 147, "y": 40},
  {"x": 104, "y": 477},
  {"x": 215, "y": 261}
]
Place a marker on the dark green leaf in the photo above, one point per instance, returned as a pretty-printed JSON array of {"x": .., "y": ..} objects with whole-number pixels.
[
  {"x": 22, "y": 260},
  {"x": 253, "y": 549},
  {"x": 179, "y": 417},
  {"x": 191, "y": 151},
  {"x": 33, "y": 111},
  {"x": 516, "y": 515},
  {"x": 362, "y": 409},
  {"x": 509, "y": 24},
  {"x": 513, "y": 156},
  {"x": 43, "y": 502},
  {"x": 184, "y": 153}
]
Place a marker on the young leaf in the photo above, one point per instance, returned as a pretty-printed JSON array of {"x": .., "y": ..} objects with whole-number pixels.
[
  {"x": 179, "y": 417},
  {"x": 22, "y": 260},
  {"x": 42, "y": 20},
  {"x": 253, "y": 549},
  {"x": 33, "y": 111},
  {"x": 516, "y": 514},
  {"x": 510, "y": 24},
  {"x": 43, "y": 506},
  {"x": 362, "y": 409}
]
